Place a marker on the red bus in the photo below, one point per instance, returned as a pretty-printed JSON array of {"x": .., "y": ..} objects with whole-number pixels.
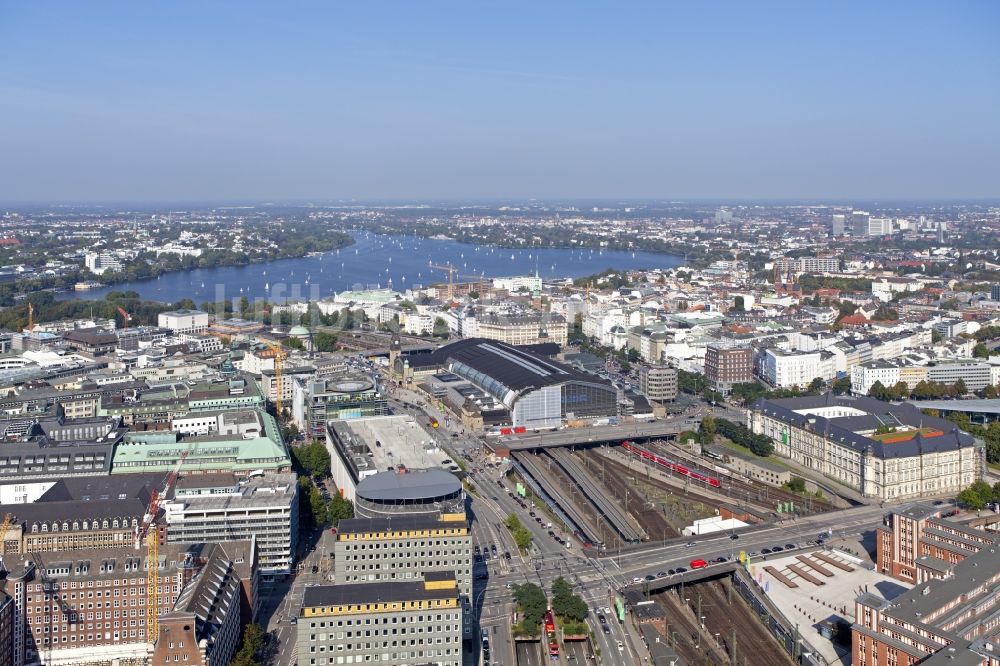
[
  {"x": 698, "y": 564},
  {"x": 550, "y": 634}
]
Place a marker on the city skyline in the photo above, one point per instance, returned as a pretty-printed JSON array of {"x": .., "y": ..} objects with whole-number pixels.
[{"x": 439, "y": 103}]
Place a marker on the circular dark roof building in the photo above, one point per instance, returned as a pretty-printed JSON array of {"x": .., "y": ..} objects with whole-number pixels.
[{"x": 426, "y": 491}]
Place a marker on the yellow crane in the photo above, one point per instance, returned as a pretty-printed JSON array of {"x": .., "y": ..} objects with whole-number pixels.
[
  {"x": 450, "y": 270},
  {"x": 279, "y": 357}
]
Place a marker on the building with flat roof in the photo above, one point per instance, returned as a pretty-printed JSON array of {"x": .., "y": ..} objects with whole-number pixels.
[
  {"x": 948, "y": 619},
  {"x": 410, "y": 493},
  {"x": 537, "y": 391},
  {"x": 882, "y": 450},
  {"x": 658, "y": 383},
  {"x": 211, "y": 508},
  {"x": 60, "y": 447},
  {"x": 315, "y": 401},
  {"x": 183, "y": 321},
  {"x": 727, "y": 365},
  {"x": 404, "y": 548},
  {"x": 360, "y": 448},
  {"x": 391, "y": 623}
]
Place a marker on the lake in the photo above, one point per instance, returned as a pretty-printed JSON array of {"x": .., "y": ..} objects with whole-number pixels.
[{"x": 375, "y": 261}]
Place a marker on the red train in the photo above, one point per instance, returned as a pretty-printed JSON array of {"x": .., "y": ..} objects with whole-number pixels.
[
  {"x": 669, "y": 464},
  {"x": 550, "y": 634}
]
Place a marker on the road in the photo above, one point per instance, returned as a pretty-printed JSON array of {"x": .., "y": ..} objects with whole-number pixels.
[{"x": 593, "y": 578}]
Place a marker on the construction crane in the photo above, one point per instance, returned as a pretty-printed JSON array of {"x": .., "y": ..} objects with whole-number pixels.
[
  {"x": 279, "y": 357},
  {"x": 124, "y": 315},
  {"x": 450, "y": 270},
  {"x": 146, "y": 532}
]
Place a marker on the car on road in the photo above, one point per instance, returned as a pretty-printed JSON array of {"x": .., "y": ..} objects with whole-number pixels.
[
  {"x": 661, "y": 574},
  {"x": 672, "y": 571},
  {"x": 621, "y": 646},
  {"x": 650, "y": 577},
  {"x": 637, "y": 580},
  {"x": 734, "y": 537},
  {"x": 681, "y": 570},
  {"x": 721, "y": 559},
  {"x": 294, "y": 620},
  {"x": 476, "y": 549},
  {"x": 315, "y": 569},
  {"x": 790, "y": 546},
  {"x": 765, "y": 551},
  {"x": 690, "y": 544},
  {"x": 776, "y": 549}
]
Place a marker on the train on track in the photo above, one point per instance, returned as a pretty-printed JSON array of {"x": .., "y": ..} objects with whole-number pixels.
[{"x": 671, "y": 465}]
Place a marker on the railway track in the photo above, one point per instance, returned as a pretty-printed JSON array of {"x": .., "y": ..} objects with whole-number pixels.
[
  {"x": 584, "y": 528},
  {"x": 597, "y": 495},
  {"x": 738, "y": 486}
]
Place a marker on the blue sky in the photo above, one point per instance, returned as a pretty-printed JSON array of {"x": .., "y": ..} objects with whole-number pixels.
[{"x": 411, "y": 100}]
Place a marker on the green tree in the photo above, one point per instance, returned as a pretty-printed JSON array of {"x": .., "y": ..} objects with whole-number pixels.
[
  {"x": 324, "y": 342},
  {"x": 842, "y": 386},
  {"x": 440, "y": 328},
  {"x": 339, "y": 508},
  {"x": 565, "y": 603},
  {"x": 253, "y": 643},
  {"x": 981, "y": 351},
  {"x": 960, "y": 388},
  {"x": 877, "y": 390},
  {"x": 312, "y": 458},
  {"x": 816, "y": 386},
  {"x": 532, "y": 603},
  {"x": 707, "y": 430},
  {"x": 522, "y": 535},
  {"x": 976, "y": 496},
  {"x": 796, "y": 484}
]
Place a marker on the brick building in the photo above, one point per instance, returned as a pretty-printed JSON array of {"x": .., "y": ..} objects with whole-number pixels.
[
  {"x": 727, "y": 365},
  {"x": 916, "y": 543}
]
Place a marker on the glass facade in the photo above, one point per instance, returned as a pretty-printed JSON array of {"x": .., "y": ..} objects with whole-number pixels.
[{"x": 589, "y": 400}]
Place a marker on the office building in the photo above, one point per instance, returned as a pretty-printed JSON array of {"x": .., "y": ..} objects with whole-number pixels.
[
  {"x": 89, "y": 606},
  {"x": 248, "y": 441},
  {"x": 658, "y": 383},
  {"x": 782, "y": 368},
  {"x": 843, "y": 438},
  {"x": 315, "y": 401},
  {"x": 995, "y": 292},
  {"x": 184, "y": 321},
  {"x": 860, "y": 224},
  {"x": 838, "y": 225},
  {"x": 394, "y": 624},
  {"x": 947, "y": 619},
  {"x": 787, "y": 265},
  {"x": 404, "y": 548},
  {"x": 915, "y": 543},
  {"x": 219, "y": 508},
  {"x": 727, "y": 365},
  {"x": 99, "y": 263}
]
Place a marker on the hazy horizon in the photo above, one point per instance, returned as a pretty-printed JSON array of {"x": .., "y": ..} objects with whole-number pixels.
[{"x": 402, "y": 103}]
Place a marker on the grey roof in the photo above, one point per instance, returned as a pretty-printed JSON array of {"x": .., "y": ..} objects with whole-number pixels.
[
  {"x": 842, "y": 430},
  {"x": 986, "y": 406},
  {"x": 400, "y": 523},
  {"x": 421, "y": 485},
  {"x": 363, "y": 593},
  {"x": 517, "y": 368}
]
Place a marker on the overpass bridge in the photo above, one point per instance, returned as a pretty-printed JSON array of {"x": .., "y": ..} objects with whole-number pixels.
[{"x": 593, "y": 435}]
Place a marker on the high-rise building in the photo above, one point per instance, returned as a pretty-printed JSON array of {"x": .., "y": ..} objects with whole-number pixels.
[
  {"x": 658, "y": 383},
  {"x": 391, "y": 623},
  {"x": 860, "y": 224},
  {"x": 995, "y": 292},
  {"x": 838, "y": 225},
  {"x": 727, "y": 365}
]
